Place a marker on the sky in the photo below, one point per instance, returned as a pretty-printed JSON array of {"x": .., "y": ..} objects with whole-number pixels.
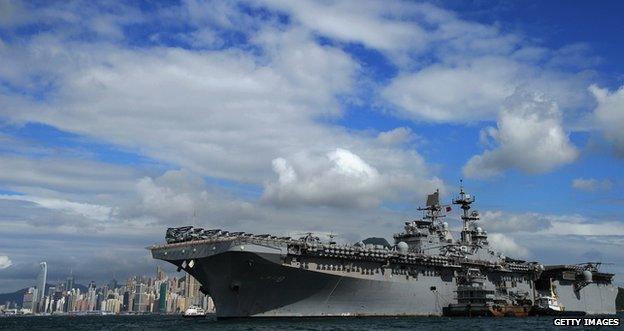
[{"x": 120, "y": 119}]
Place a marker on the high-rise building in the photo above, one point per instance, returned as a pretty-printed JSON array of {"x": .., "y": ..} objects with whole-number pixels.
[
  {"x": 28, "y": 302},
  {"x": 41, "y": 281},
  {"x": 140, "y": 299},
  {"x": 126, "y": 304},
  {"x": 91, "y": 297},
  {"x": 189, "y": 286},
  {"x": 162, "y": 297},
  {"x": 173, "y": 286},
  {"x": 160, "y": 274},
  {"x": 69, "y": 285},
  {"x": 112, "y": 305},
  {"x": 191, "y": 291}
]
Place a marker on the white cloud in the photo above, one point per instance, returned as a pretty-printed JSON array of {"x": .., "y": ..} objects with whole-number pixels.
[
  {"x": 339, "y": 178},
  {"x": 32, "y": 174},
  {"x": 374, "y": 24},
  {"x": 5, "y": 262},
  {"x": 342, "y": 178},
  {"x": 581, "y": 226},
  {"x": 396, "y": 136},
  {"x": 453, "y": 94},
  {"x": 549, "y": 224},
  {"x": 499, "y": 221},
  {"x": 87, "y": 210},
  {"x": 180, "y": 197},
  {"x": 223, "y": 114},
  {"x": 474, "y": 89},
  {"x": 143, "y": 205},
  {"x": 530, "y": 137},
  {"x": 591, "y": 184},
  {"x": 507, "y": 245},
  {"x": 398, "y": 29},
  {"x": 609, "y": 115}
]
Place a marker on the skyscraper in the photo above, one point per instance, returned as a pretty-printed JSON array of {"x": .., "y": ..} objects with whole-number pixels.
[
  {"x": 126, "y": 304},
  {"x": 190, "y": 286},
  {"x": 28, "y": 302},
  {"x": 162, "y": 298},
  {"x": 140, "y": 298},
  {"x": 41, "y": 281},
  {"x": 160, "y": 273},
  {"x": 70, "y": 282}
]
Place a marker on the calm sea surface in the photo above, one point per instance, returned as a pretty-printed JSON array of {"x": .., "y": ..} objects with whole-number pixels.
[{"x": 157, "y": 322}]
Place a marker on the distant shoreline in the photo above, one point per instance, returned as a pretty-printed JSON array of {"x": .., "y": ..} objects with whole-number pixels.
[{"x": 91, "y": 314}]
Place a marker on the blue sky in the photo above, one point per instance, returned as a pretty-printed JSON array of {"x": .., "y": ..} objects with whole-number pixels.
[{"x": 118, "y": 120}]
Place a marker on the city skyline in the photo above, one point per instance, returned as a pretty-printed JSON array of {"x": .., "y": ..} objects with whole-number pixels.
[
  {"x": 162, "y": 294},
  {"x": 121, "y": 119}
]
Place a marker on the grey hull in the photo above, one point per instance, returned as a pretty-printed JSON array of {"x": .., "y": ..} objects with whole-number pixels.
[
  {"x": 592, "y": 299},
  {"x": 247, "y": 284}
]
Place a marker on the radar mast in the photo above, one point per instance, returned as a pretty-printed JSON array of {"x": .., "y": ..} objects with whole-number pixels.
[
  {"x": 433, "y": 208},
  {"x": 465, "y": 200}
]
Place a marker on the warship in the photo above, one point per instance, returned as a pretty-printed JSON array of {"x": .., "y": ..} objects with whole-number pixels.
[{"x": 425, "y": 272}]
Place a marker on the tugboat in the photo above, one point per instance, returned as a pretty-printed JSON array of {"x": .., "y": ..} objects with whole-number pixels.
[
  {"x": 474, "y": 299},
  {"x": 549, "y": 305},
  {"x": 194, "y": 312}
]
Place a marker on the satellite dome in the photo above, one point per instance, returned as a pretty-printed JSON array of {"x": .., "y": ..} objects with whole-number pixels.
[
  {"x": 445, "y": 225},
  {"x": 479, "y": 230},
  {"x": 402, "y": 247},
  {"x": 587, "y": 275}
]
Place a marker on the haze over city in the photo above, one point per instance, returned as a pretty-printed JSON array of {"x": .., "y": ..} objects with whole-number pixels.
[{"x": 119, "y": 120}]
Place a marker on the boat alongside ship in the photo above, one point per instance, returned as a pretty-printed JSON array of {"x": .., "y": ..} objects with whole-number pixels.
[
  {"x": 474, "y": 299},
  {"x": 194, "y": 312},
  {"x": 426, "y": 272}
]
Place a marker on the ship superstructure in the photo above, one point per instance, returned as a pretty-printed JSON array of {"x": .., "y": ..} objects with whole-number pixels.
[{"x": 425, "y": 272}]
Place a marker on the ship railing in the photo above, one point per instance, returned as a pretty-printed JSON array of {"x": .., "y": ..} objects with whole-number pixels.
[
  {"x": 239, "y": 239},
  {"x": 376, "y": 254}
]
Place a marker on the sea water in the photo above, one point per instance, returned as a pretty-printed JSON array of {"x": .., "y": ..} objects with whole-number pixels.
[{"x": 179, "y": 323}]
